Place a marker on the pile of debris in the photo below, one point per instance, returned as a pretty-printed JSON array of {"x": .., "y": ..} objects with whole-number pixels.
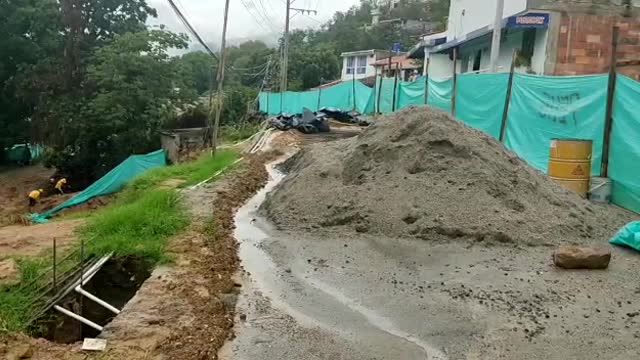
[
  {"x": 310, "y": 122},
  {"x": 420, "y": 173},
  {"x": 306, "y": 123}
]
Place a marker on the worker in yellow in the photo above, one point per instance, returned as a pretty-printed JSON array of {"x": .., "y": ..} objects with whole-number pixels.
[
  {"x": 60, "y": 186},
  {"x": 34, "y": 196}
]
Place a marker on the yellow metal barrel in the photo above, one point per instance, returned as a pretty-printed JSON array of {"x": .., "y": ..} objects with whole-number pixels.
[{"x": 570, "y": 164}]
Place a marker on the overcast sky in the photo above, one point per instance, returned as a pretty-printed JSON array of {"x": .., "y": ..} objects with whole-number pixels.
[{"x": 248, "y": 19}]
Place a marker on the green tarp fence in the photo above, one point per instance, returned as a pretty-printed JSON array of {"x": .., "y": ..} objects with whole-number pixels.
[
  {"x": 339, "y": 96},
  {"x": 624, "y": 153},
  {"x": 541, "y": 108},
  {"x": 112, "y": 182}
]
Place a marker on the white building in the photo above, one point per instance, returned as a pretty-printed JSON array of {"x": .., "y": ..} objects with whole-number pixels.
[
  {"x": 360, "y": 64},
  {"x": 551, "y": 37}
]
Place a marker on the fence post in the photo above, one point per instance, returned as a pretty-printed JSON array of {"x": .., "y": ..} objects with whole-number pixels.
[
  {"x": 505, "y": 112},
  {"x": 426, "y": 81},
  {"x": 608, "y": 121},
  {"x": 320, "y": 93},
  {"x": 395, "y": 88},
  {"x": 455, "y": 81},
  {"x": 379, "y": 94},
  {"x": 375, "y": 89},
  {"x": 55, "y": 282},
  {"x": 353, "y": 84}
]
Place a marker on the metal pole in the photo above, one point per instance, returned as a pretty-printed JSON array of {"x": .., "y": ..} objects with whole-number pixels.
[
  {"x": 426, "y": 80},
  {"x": 379, "y": 93},
  {"x": 285, "y": 54},
  {"x": 455, "y": 81},
  {"x": 375, "y": 88},
  {"x": 81, "y": 283},
  {"x": 353, "y": 85},
  {"x": 505, "y": 112},
  {"x": 608, "y": 124},
  {"x": 55, "y": 282},
  {"x": 395, "y": 88},
  {"x": 223, "y": 54},
  {"x": 497, "y": 35}
]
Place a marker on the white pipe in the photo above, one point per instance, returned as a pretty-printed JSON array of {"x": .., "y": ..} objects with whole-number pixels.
[
  {"x": 97, "y": 300},
  {"x": 78, "y": 317},
  {"x": 94, "y": 269}
]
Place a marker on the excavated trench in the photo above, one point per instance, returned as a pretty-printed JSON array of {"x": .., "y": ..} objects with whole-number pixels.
[{"x": 115, "y": 283}]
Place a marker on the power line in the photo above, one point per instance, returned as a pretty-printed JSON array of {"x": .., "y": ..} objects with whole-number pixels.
[{"x": 190, "y": 28}]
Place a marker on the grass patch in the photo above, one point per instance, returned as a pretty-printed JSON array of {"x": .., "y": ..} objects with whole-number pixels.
[
  {"x": 137, "y": 223},
  {"x": 192, "y": 172},
  {"x": 237, "y": 133}
]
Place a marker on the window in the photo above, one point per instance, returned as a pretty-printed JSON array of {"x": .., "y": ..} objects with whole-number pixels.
[
  {"x": 362, "y": 64},
  {"x": 477, "y": 60},
  {"x": 350, "y": 64}
]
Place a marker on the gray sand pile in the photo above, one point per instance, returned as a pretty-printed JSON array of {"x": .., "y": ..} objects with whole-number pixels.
[{"x": 420, "y": 173}]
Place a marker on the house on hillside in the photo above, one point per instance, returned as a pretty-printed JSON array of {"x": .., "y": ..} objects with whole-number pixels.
[
  {"x": 401, "y": 64},
  {"x": 551, "y": 37},
  {"x": 360, "y": 64}
]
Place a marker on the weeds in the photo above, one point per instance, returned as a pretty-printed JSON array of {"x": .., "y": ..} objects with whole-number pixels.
[{"x": 138, "y": 223}]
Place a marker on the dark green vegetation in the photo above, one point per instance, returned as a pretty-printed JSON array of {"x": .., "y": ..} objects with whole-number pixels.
[
  {"x": 88, "y": 78},
  {"x": 137, "y": 224}
]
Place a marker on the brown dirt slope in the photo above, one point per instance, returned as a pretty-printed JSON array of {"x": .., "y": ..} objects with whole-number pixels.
[{"x": 419, "y": 173}]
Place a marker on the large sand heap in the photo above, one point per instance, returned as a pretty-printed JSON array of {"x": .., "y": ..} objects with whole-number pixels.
[{"x": 420, "y": 173}]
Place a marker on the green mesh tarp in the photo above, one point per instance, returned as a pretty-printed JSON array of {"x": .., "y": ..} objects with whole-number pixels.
[
  {"x": 386, "y": 95},
  {"x": 410, "y": 93},
  {"x": 440, "y": 93},
  {"x": 624, "y": 154},
  {"x": 543, "y": 108},
  {"x": 480, "y": 100},
  {"x": 340, "y": 96},
  {"x": 112, "y": 182}
]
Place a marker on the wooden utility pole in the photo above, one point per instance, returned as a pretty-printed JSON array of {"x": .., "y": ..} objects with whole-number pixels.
[
  {"x": 608, "y": 121},
  {"x": 497, "y": 35},
  {"x": 285, "y": 54},
  {"x": 220, "y": 92}
]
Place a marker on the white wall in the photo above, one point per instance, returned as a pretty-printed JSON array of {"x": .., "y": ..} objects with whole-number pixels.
[
  {"x": 478, "y": 14},
  {"x": 540, "y": 51},
  {"x": 371, "y": 70},
  {"x": 440, "y": 66}
]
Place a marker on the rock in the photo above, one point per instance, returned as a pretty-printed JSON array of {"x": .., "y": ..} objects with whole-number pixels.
[
  {"x": 22, "y": 351},
  {"x": 9, "y": 272},
  {"x": 582, "y": 257}
]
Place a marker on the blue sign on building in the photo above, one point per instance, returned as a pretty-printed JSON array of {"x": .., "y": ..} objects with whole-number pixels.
[
  {"x": 530, "y": 20},
  {"x": 396, "y": 47}
]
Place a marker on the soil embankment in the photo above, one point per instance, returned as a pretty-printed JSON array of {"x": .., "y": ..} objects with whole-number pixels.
[{"x": 419, "y": 173}]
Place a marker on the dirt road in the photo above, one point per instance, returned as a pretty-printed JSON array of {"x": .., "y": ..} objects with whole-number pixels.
[{"x": 366, "y": 297}]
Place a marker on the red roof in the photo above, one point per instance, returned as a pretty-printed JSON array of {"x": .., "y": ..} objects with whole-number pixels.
[{"x": 405, "y": 63}]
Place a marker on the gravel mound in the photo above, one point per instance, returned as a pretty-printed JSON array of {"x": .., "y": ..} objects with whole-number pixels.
[{"x": 420, "y": 173}]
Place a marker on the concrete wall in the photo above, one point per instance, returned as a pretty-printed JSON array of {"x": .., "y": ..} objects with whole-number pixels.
[
  {"x": 539, "y": 57},
  {"x": 584, "y": 44},
  {"x": 466, "y": 16}
]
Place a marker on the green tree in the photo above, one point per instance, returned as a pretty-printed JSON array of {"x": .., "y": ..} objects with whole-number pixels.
[
  {"x": 136, "y": 87},
  {"x": 198, "y": 67},
  {"x": 29, "y": 31}
]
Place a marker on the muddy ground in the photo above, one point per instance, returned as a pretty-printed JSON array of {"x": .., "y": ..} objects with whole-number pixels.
[
  {"x": 185, "y": 309},
  {"x": 360, "y": 296},
  {"x": 15, "y": 184}
]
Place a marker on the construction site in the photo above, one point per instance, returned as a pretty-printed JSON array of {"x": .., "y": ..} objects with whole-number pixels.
[
  {"x": 416, "y": 237},
  {"x": 474, "y": 196}
]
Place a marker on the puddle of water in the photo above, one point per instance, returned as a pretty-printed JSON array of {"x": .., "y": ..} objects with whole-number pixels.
[{"x": 251, "y": 231}]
